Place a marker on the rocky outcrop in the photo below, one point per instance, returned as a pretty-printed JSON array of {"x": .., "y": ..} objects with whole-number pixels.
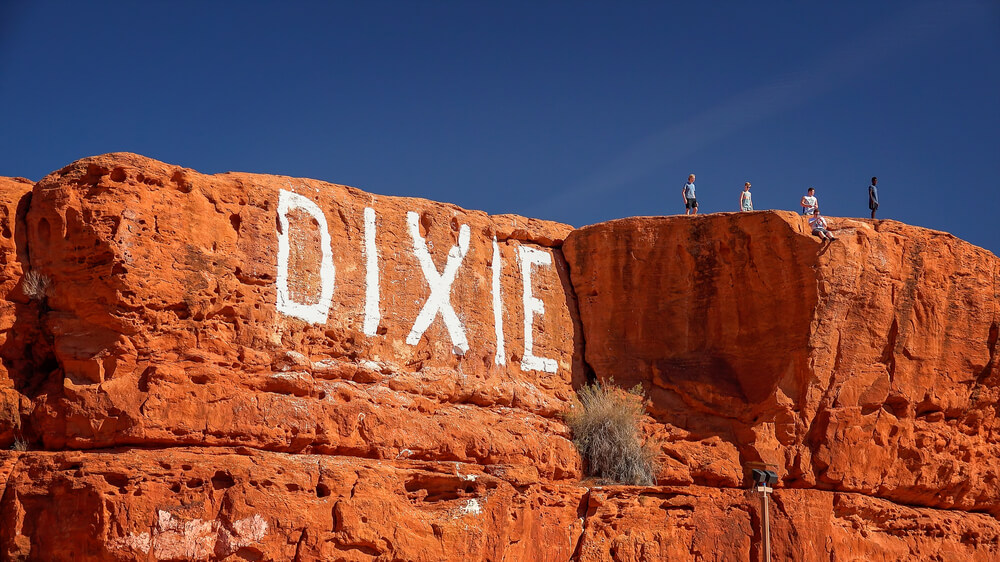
[
  {"x": 251, "y": 367},
  {"x": 866, "y": 366},
  {"x": 293, "y": 315},
  {"x": 19, "y": 328}
]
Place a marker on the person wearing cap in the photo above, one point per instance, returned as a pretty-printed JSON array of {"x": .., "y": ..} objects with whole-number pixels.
[
  {"x": 690, "y": 202},
  {"x": 819, "y": 226},
  {"x": 873, "y": 196},
  {"x": 746, "y": 202},
  {"x": 809, "y": 202}
]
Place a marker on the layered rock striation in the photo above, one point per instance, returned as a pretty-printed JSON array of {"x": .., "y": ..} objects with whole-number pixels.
[{"x": 250, "y": 367}]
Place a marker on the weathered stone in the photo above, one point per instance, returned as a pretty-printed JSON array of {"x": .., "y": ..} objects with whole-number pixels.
[
  {"x": 183, "y": 504},
  {"x": 867, "y": 366},
  {"x": 214, "y": 504},
  {"x": 18, "y": 311},
  {"x": 200, "y": 400},
  {"x": 171, "y": 319}
]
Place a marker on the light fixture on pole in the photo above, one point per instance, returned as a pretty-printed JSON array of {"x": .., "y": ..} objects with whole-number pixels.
[{"x": 763, "y": 480}]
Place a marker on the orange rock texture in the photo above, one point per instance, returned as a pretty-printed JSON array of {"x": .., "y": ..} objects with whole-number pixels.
[
  {"x": 19, "y": 327},
  {"x": 251, "y": 367},
  {"x": 867, "y": 366}
]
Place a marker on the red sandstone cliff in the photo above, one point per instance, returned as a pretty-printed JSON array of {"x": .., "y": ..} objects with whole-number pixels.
[{"x": 251, "y": 367}]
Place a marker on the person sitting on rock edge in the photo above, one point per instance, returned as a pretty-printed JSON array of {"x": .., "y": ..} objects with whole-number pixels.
[
  {"x": 809, "y": 202},
  {"x": 746, "y": 202},
  {"x": 819, "y": 226},
  {"x": 687, "y": 192}
]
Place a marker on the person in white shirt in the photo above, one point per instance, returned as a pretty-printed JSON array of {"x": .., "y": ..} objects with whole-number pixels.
[
  {"x": 809, "y": 202},
  {"x": 746, "y": 202},
  {"x": 819, "y": 227}
]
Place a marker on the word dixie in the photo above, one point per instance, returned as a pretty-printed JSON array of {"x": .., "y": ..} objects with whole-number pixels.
[{"x": 440, "y": 282}]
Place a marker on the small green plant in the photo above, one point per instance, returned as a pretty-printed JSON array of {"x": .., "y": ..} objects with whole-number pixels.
[
  {"x": 605, "y": 420},
  {"x": 35, "y": 285}
]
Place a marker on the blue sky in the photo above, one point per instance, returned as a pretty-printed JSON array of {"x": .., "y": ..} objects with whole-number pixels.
[{"x": 573, "y": 111}]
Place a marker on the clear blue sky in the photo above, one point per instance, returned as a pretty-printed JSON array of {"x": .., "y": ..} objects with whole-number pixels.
[{"x": 573, "y": 111}]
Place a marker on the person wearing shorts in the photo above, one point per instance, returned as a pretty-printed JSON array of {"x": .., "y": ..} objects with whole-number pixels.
[
  {"x": 746, "y": 202},
  {"x": 690, "y": 201},
  {"x": 819, "y": 227}
]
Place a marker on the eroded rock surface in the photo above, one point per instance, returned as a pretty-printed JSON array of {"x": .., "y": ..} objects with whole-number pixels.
[
  {"x": 19, "y": 326},
  {"x": 869, "y": 366},
  {"x": 287, "y": 314},
  {"x": 250, "y": 367},
  {"x": 217, "y": 503}
]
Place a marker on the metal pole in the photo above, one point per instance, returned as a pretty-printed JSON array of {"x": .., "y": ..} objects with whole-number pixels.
[{"x": 767, "y": 524}]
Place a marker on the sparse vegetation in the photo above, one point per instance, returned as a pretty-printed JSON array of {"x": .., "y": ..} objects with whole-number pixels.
[
  {"x": 605, "y": 420},
  {"x": 35, "y": 285},
  {"x": 20, "y": 443}
]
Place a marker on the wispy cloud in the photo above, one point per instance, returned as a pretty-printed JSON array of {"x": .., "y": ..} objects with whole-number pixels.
[{"x": 858, "y": 55}]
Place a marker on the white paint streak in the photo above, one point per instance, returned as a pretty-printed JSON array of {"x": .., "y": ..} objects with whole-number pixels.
[
  {"x": 194, "y": 539},
  {"x": 500, "y": 358},
  {"x": 140, "y": 542},
  {"x": 250, "y": 530},
  {"x": 186, "y": 540},
  {"x": 371, "y": 365},
  {"x": 312, "y": 313},
  {"x": 471, "y": 507},
  {"x": 372, "y": 315},
  {"x": 440, "y": 285},
  {"x": 528, "y": 257}
]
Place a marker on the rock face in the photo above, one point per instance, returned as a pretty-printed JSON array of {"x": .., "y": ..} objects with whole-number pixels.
[
  {"x": 292, "y": 315},
  {"x": 869, "y": 366},
  {"x": 18, "y": 312},
  {"x": 249, "y": 367}
]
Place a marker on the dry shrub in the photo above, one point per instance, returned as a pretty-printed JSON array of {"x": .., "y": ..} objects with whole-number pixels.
[
  {"x": 605, "y": 424},
  {"x": 35, "y": 285},
  {"x": 20, "y": 443}
]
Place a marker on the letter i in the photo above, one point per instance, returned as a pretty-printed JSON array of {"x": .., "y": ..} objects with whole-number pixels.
[
  {"x": 500, "y": 358},
  {"x": 372, "y": 315}
]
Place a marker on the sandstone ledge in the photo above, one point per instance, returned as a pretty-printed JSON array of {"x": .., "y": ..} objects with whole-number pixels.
[{"x": 200, "y": 504}]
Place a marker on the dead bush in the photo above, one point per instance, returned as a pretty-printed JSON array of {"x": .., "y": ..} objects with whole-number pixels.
[
  {"x": 605, "y": 421},
  {"x": 20, "y": 443},
  {"x": 35, "y": 285}
]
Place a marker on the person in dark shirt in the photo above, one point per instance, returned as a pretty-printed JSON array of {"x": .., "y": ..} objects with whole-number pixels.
[
  {"x": 690, "y": 202},
  {"x": 873, "y": 196}
]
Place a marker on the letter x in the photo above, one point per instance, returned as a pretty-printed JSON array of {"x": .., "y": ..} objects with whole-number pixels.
[{"x": 440, "y": 284}]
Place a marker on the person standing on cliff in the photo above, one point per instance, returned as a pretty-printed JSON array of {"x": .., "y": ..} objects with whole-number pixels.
[
  {"x": 873, "y": 196},
  {"x": 746, "y": 202},
  {"x": 809, "y": 202},
  {"x": 819, "y": 226},
  {"x": 687, "y": 192}
]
